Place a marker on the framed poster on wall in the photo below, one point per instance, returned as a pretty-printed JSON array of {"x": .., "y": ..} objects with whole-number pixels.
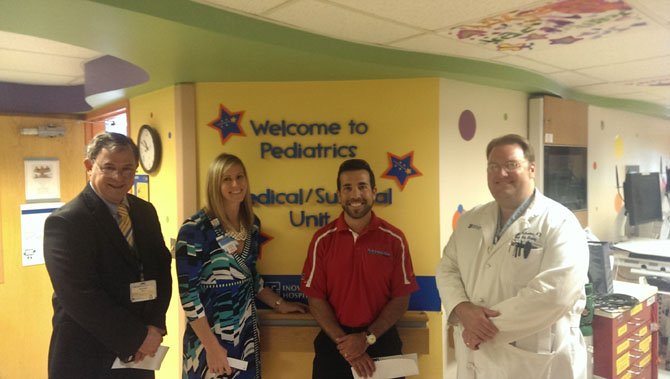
[{"x": 42, "y": 179}]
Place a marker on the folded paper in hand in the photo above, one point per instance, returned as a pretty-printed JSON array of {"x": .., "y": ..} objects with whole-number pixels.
[
  {"x": 154, "y": 363},
  {"x": 238, "y": 364},
  {"x": 148, "y": 363},
  {"x": 393, "y": 366}
]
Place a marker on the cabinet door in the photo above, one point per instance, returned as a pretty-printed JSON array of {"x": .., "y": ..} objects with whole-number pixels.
[{"x": 566, "y": 121}]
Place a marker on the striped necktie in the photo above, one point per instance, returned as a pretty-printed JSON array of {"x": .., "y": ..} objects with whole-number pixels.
[{"x": 125, "y": 225}]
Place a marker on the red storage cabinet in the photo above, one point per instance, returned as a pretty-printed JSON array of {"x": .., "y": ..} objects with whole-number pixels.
[{"x": 625, "y": 343}]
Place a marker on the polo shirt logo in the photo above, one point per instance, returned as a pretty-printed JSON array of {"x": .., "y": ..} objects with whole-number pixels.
[{"x": 378, "y": 252}]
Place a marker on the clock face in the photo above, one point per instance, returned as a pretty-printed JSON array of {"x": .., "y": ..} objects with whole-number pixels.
[{"x": 149, "y": 144}]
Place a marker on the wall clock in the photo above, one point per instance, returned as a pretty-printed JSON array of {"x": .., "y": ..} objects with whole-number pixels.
[{"x": 149, "y": 143}]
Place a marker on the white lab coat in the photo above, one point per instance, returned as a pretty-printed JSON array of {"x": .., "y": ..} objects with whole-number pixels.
[{"x": 540, "y": 298}]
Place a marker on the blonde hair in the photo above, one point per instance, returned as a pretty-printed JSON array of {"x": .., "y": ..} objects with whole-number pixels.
[{"x": 215, "y": 200}]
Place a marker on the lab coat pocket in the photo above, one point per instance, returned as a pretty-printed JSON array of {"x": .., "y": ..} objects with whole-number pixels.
[
  {"x": 524, "y": 364},
  {"x": 519, "y": 270}
]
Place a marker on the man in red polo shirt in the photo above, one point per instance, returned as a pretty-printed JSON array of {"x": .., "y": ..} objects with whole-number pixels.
[{"x": 357, "y": 277}]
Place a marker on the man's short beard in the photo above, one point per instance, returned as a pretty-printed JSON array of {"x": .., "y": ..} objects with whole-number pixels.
[{"x": 366, "y": 209}]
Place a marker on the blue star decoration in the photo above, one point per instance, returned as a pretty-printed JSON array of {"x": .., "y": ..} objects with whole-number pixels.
[
  {"x": 263, "y": 239},
  {"x": 228, "y": 123},
  {"x": 401, "y": 169}
]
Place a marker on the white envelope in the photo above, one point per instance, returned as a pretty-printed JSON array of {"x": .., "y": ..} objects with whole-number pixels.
[
  {"x": 238, "y": 364},
  {"x": 154, "y": 363},
  {"x": 393, "y": 366},
  {"x": 148, "y": 363}
]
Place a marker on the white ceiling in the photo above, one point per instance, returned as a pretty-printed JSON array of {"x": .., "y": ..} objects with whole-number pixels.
[
  {"x": 621, "y": 54},
  {"x": 32, "y": 60},
  {"x": 624, "y": 61}
]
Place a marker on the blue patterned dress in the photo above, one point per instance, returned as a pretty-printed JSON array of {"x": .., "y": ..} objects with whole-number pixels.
[{"x": 222, "y": 287}]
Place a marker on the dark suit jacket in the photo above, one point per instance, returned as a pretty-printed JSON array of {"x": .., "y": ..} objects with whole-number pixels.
[{"x": 91, "y": 267}]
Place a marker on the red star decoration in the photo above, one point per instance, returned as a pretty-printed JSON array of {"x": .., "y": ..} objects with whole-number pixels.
[
  {"x": 228, "y": 123},
  {"x": 401, "y": 169}
]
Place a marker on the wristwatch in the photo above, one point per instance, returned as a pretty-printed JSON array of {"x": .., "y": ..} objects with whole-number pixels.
[
  {"x": 278, "y": 302},
  {"x": 370, "y": 338}
]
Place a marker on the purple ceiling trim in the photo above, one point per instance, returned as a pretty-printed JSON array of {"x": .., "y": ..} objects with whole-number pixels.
[
  {"x": 103, "y": 74},
  {"x": 29, "y": 98},
  {"x": 110, "y": 73}
]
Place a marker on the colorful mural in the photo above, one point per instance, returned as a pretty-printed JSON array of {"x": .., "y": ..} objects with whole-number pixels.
[{"x": 554, "y": 23}]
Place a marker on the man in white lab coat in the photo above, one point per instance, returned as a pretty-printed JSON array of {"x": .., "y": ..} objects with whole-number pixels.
[{"x": 512, "y": 277}]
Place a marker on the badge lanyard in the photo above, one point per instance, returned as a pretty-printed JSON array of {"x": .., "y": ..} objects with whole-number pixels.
[{"x": 517, "y": 213}]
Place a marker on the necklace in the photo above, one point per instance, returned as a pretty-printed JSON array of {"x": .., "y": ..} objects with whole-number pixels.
[{"x": 238, "y": 236}]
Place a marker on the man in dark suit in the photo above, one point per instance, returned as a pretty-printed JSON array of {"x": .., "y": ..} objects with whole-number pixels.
[{"x": 111, "y": 291}]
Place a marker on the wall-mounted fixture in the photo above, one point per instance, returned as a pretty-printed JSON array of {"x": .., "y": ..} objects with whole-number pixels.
[{"x": 50, "y": 131}]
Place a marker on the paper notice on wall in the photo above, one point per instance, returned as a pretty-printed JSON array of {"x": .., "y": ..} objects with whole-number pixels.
[
  {"x": 32, "y": 231},
  {"x": 548, "y": 137}
]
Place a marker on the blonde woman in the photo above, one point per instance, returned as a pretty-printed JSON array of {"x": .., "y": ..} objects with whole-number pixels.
[{"x": 217, "y": 249}]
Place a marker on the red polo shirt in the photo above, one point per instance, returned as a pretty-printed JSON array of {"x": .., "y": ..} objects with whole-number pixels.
[{"x": 358, "y": 275}]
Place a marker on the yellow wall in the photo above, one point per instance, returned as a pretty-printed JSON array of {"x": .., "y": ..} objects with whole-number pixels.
[
  {"x": 157, "y": 109},
  {"x": 401, "y": 116},
  {"x": 25, "y": 294},
  {"x": 26, "y": 291}
]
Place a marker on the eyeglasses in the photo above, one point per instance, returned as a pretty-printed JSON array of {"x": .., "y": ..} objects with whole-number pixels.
[
  {"x": 111, "y": 171},
  {"x": 509, "y": 166}
]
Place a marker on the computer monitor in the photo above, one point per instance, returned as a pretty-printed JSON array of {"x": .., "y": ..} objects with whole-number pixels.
[{"x": 642, "y": 198}]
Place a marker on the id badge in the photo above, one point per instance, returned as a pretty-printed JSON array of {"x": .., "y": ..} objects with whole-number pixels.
[
  {"x": 230, "y": 247},
  {"x": 143, "y": 291}
]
